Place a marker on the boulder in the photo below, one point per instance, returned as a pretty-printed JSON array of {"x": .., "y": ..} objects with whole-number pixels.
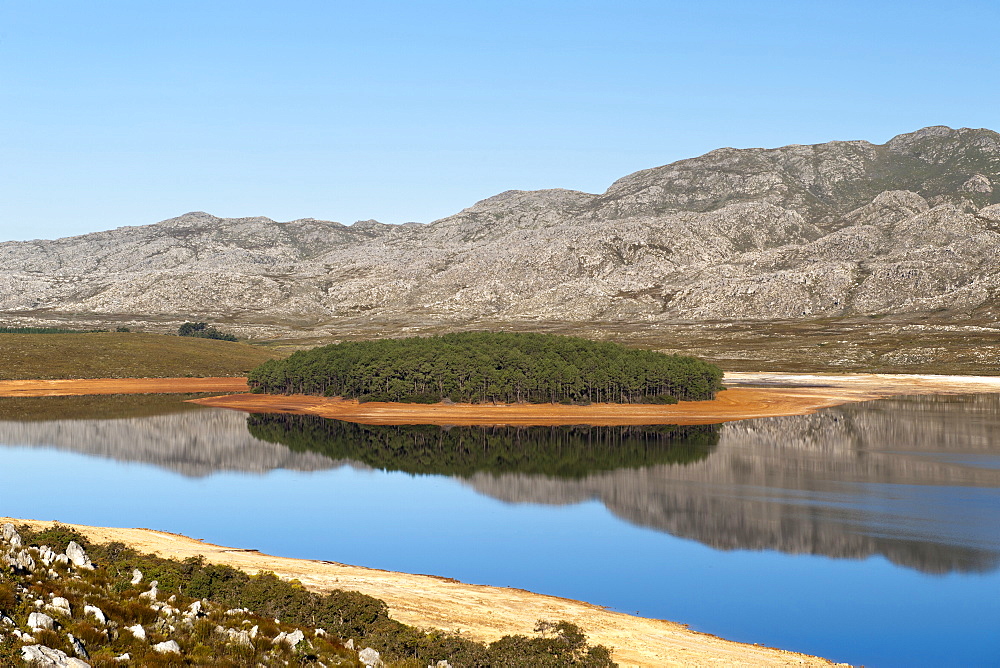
[
  {"x": 47, "y": 555},
  {"x": 137, "y": 631},
  {"x": 293, "y": 638},
  {"x": 370, "y": 658},
  {"x": 59, "y": 605},
  {"x": 10, "y": 535},
  {"x": 40, "y": 655},
  {"x": 96, "y": 612},
  {"x": 20, "y": 560},
  {"x": 136, "y": 576},
  {"x": 39, "y": 620},
  {"x": 153, "y": 592},
  {"x": 167, "y": 647},
  {"x": 77, "y": 556}
]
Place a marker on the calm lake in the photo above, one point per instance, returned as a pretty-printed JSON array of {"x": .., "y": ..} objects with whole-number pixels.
[{"x": 867, "y": 533}]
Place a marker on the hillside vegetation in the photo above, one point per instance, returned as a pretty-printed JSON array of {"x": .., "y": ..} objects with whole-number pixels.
[
  {"x": 123, "y": 355},
  {"x": 62, "y": 596},
  {"x": 481, "y": 367}
]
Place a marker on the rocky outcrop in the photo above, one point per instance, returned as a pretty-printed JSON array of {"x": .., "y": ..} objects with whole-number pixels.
[{"x": 831, "y": 230}]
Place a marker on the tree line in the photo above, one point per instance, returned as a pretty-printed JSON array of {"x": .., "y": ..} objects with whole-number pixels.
[{"x": 490, "y": 367}]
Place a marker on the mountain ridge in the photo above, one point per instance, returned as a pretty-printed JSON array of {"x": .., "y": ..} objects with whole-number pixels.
[{"x": 834, "y": 230}]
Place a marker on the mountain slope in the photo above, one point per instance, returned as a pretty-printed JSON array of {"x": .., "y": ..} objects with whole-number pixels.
[{"x": 832, "y": 230}]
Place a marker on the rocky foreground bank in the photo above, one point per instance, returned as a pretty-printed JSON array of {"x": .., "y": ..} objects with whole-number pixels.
[
  {"x": 475, "y": 611},
  {"x": 94, "y": 612}
]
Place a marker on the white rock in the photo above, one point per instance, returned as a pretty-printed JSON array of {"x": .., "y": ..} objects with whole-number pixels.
[
  {"x": 77, "y": 556},
  {"x": 96, "y": 612},
  {"x": 39, "y": 620},
  {"x": 153, "y": 592},
  {"x": 136, "y": 576},
  {"x": 59, "y": 605},
  {"x": 167, "y": 647},
  {"x": 40, "y": 655},
  {"x": 240, "y": 637},
  {"x": 320, "y": 633},
  {"x": 20, "y": 560},
  {"x": 62, "y": 560},
  {"x": 349, "y": 644},
  {"x": 10, "y": 535},
  {"x": 124, "y": 657},
  {"x": 137, "y": 631},
  {"x": 47, "y": 555},
  {"x": 370, "y": 658},
  {"x": 194, "y": 609}
]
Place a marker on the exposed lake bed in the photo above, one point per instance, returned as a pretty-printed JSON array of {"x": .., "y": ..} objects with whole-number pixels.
[{"x": 864, "y": 533}]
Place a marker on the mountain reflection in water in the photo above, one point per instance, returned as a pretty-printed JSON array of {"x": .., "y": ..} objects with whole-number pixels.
[{"x": 914, "y": 480}]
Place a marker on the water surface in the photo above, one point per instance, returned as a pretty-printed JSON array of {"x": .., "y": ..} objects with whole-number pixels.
[{"x": 866, "y": 533}]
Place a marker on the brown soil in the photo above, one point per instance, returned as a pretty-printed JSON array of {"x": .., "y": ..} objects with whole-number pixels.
[
  {"x": 78, "y": 387},
  {"x": 477, "y": 611},
  {"x": 792, "y": 394}
]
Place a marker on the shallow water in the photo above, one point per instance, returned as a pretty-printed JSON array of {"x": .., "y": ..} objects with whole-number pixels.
[{"x": 867, "y": 533}]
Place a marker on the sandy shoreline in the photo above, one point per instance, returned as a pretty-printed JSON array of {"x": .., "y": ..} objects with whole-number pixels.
[
  {"x": 478, "y": 611},
  {"x": 773, "y": 395},
  {"x": 91, "y": 386},
  {"x": 750, "y": 395}
]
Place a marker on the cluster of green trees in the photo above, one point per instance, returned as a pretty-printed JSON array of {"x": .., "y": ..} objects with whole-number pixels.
[
  {"x": 482, "y": 367},
  {"x": 565, "y": 452},
  {"x": 202, "y": 330}
]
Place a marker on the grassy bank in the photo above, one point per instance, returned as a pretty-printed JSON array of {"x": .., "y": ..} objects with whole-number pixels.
[{"x": 124, "y": 355}]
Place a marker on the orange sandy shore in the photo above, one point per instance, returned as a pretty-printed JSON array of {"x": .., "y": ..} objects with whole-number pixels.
[
  {"x": 476, "y": 611},
  {"x": 793, "y": 394},
  {"x": 781, "y": 394},
  {"x": 77, "y": 387}
]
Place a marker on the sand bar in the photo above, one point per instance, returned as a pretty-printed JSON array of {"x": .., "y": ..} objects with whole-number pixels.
[
  {"x": 478, "y": 611},
  {"x": 750, "y": 395}
]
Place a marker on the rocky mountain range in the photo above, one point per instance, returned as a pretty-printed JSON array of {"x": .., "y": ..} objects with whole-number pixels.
[{"x": 834, "y": 230}]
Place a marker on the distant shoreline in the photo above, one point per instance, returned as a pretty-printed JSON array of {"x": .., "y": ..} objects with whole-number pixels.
[{"x": 750, "y": 395}]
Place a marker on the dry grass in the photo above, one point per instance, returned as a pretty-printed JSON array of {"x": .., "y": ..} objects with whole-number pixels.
[
  {"x": 122, "y": 355},
  {"x": 95, "y": 407}
]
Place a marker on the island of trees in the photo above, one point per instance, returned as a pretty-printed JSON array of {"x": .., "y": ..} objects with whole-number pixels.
[{"x": 490, "y": 367}]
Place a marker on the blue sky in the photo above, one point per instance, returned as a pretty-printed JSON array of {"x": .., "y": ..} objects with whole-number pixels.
[{"x": 126, "y": 113}]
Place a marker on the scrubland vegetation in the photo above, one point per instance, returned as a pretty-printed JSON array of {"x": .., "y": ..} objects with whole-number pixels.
[
  {"x": 221, "y": 616},
  {"x": 124, "y": 355}
]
